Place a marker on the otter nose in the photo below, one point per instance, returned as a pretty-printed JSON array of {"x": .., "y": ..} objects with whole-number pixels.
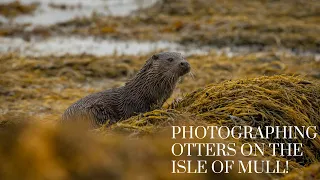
[{"x": 185, "y": 65}]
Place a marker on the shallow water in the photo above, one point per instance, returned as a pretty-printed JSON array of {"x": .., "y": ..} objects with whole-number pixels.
[
  {"x": 59, "y": 46},
  {"x": 77, "y": 45},
  {"x": 48, "y": 15}
]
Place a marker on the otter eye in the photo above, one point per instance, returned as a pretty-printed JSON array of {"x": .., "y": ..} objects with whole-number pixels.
[{"x": 170, "y": 59}]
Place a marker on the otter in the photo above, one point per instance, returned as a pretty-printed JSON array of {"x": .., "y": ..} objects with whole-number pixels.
[{"x": 146, "y": 91}]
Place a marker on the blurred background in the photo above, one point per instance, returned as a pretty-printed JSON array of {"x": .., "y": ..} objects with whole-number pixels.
[
  {"x": 103, "y": 27},
  {"x": 53, "y": 52}
]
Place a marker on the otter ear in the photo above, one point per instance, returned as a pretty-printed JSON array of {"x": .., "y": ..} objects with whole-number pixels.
[
  {"x": 146, "y": 66},
  {"x": 155, "y": 57}
]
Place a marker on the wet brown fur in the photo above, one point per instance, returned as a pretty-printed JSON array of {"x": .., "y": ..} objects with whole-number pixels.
[{"x": 147, "y": 91}]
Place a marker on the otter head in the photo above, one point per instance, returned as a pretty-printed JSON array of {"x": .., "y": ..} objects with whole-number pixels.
[{"x": 170, "y": 64}]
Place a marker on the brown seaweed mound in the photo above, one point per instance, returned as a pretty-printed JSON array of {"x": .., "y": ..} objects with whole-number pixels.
[
  {"x": 264, "y": 101},
  {"x": 276, "y": 101},
  {"x": 309, "y": 173}
]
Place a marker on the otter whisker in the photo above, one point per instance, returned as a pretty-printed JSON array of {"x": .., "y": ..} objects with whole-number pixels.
[{"x": 191, "y": 75}]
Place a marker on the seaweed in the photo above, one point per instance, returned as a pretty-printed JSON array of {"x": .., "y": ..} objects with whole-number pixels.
[
  {"x": 290, "y": 24},
  {"x": 15, "y": 8},
  {"x": 40, "y": 150},
  {"x": 257, "y": 102},
  {"x": 310, "y": 172}
]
